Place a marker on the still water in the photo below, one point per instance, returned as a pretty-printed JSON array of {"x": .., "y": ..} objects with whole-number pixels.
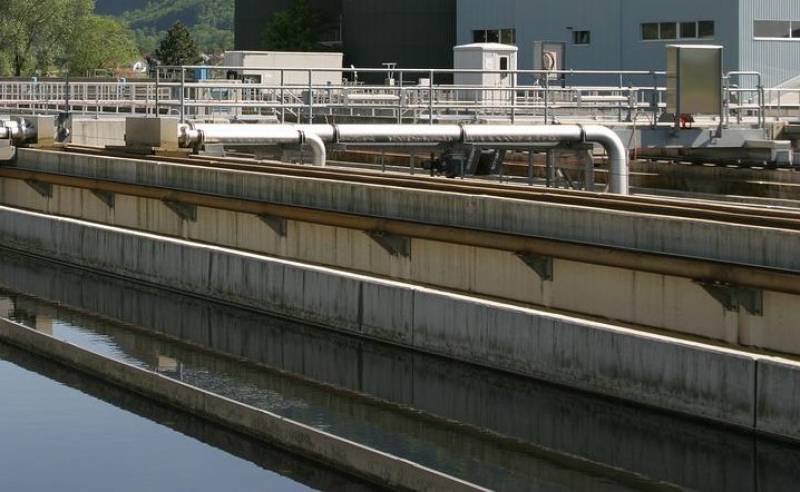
[
  {"x": 493, "y": 429},
  {"x": 71, "y": 435}
]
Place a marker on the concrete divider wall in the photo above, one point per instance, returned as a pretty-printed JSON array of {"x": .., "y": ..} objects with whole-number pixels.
[
  {"x": 676, "y": 304},
  {"x": 681, "y": 376},
  {"x": 344, "y": 455},
  {"x": 701, "y": 239}
]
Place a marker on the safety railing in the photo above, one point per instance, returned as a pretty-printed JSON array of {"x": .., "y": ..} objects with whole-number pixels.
[{"x": 401, "y": 96}]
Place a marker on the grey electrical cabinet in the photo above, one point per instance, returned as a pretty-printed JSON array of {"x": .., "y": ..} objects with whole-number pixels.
[{"x": 694, "y": 79}]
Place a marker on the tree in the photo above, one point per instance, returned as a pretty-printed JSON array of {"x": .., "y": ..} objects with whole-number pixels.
[
  {"x": 178, "y": 48},
  {"x": 34, "y": 33},
  {"x": 100, "y": 42},
  {"x": 294, "y": 29}
]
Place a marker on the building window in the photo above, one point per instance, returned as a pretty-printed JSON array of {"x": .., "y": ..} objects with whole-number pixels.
[
  {"x": 706, "y": 29},
  {"x": 650, "y": 32},
  {"x": 688, "y": 30},
  {"x": 503, "y": 63},
  {"x": 668, "y": 31},
  {"x": 776, "y": 29},
  {"x": 505, "y": 36},
  {"x": 582, "y": 37}
]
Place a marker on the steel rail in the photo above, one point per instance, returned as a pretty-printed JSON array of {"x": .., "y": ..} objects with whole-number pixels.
[
  {"x": 663, "y": 264},
  {"x": 666, "y": 207}
]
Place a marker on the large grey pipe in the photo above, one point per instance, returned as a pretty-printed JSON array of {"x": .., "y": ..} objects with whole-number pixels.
[
  {"x": 316, "y": 135},
  {"x": 254, "y": 135},
  {"x": 17, "y": 131},
  {"x": 618, "y": 181}
]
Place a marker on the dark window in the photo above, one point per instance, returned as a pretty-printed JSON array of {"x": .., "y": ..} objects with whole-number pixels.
[
  {"x": 493, "y": 36},
  {"x": 688, "y": 30},
  {"x": 668, "y": 30},
  {"x": 706, "y": 29},
  {"x": 650, "y": 31},
  {"x": 796, "y": 29},
  {"x": 508, "y": 36},
  {"x": 479, "y": 36},
  {"x": 772, "y": 29},
  {"x": 503, "y": 63},
  {"x": 582, "y": 37}
]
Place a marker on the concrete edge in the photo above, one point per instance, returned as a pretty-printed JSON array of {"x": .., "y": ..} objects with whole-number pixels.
[{"x": 342, "y": 454}]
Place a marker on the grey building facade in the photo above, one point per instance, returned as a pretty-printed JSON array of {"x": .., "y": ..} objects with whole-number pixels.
[
  {"x": 252, "y": 16},
  {"x": 759, "y": 35}
]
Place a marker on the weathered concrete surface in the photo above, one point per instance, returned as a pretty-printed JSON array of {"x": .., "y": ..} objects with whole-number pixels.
[
  {"x": 97, "y": 132},
  {"x": 649, "y": 300},
  {"x": 694, "y": 238},
  {"x": 681, "y": 376},
  {"x": 778, "y": 399},
  {"x": 345, "y": 455}
]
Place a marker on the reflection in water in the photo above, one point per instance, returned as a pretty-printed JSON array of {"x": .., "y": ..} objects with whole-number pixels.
[
  {"x": 53, "y": 437},
  {"x": 532, "y": 436}
]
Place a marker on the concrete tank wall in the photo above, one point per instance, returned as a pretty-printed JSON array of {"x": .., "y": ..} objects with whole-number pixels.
[
  {"x": 686, "y": 377},
  {"x": 644, "y": 299},
  {"x": 701, "y": 239}
]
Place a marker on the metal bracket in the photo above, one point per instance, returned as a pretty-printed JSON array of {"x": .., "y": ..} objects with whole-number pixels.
[
  {"x": 542, "y": 265},
  {"x": 732, "y": 297},
  {"x": 106, "y": 197},
  {"x": 42, "y": 188},
  {"x": 183, "y": 210},
  {"x": 277, "y": 224},
  {"x": 395, "y": 245}
]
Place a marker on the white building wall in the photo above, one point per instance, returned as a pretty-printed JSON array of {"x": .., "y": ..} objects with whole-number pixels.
[{"x": 777, "y": 60}]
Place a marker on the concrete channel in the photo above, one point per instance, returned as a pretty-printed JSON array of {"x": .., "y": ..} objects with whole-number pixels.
[
  {"x": 407, "y": 393},
  {"x": 686, "y": 377},
  {"x": 348, "y": 456}
]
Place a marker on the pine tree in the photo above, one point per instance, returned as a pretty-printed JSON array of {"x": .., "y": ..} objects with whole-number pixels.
[{"x": 178, "y": 48}]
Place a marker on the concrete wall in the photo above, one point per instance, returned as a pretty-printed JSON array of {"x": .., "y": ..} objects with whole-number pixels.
[
  {"x": 97, "y": 132},
  {"x": 681, "y": 376},
  {"x": 694, "y": 238},
  {"x": 646, "y": 300}
]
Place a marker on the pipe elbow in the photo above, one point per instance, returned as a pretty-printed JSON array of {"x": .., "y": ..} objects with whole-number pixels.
[
  {"x": 619, "y": 170},
  {"x": 317, "y": 147}
]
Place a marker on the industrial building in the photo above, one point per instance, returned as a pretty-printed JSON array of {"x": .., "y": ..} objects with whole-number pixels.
[
  {"x": 758, "y": 35},
  {"x": 412, "y": 33},
  {"x": 252, "y": 16}
]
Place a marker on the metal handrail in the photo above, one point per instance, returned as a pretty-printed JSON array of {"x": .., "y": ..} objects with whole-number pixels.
[{"x": 546, "y": 99}]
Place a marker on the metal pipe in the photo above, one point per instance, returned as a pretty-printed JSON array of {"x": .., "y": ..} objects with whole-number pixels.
[
  {"x": 617, "y": 154},
  {"x": 403, "y": 134},
  {"x": 254, "y": 135}
]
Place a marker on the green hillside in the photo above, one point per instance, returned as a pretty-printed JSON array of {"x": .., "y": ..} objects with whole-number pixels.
[{"x": 211, "y": 21}]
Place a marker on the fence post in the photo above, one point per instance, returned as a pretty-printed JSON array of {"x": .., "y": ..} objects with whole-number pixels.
[
  {"x": 547, "y": 99},
  {"x": 310, "y": 97},
  {"x": 430, "y": 98},
  {"x": 183, "y": 94},
  {"x": 283, "y": 98}
]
